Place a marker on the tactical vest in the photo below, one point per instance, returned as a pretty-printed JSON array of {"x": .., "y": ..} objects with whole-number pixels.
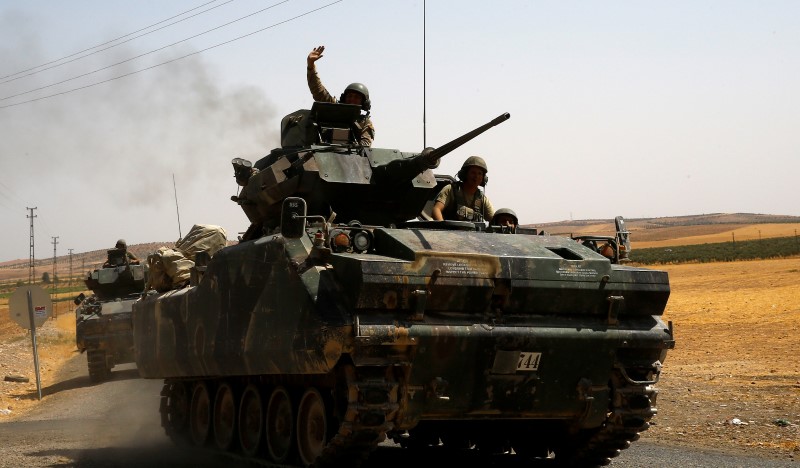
[{"x": 451, "y": 212}]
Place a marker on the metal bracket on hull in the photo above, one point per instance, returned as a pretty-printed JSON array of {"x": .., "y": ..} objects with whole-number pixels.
[
  {"x": 420, "y": 297},
  {"x": 654, "y": 368},
  {"x": 614, "y": 304}
]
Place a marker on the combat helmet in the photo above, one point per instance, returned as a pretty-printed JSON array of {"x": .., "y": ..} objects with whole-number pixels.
[
  {"x": 505, "y": 211},
  {"x": 476, "y": 161},
  {"x": 359, "y": 88},
  {"x": 121, "y": 244}
]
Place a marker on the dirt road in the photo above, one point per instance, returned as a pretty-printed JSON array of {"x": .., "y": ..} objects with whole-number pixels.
[
  {"x": 116, "y": 424},
  {"x": 732, "y": 383}
]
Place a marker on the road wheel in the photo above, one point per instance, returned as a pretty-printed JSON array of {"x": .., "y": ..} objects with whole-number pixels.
[
  {"x": 312, "y": 426},
  {"x": 200, "y": 414},
  {"x": 251, "y": 421},
  {"x": 224, "y": 416},
  {"x": 280, "y": 425}
]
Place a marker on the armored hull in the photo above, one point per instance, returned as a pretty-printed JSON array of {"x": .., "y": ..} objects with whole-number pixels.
[
  {"x": 469, "y": 337},
  {"x": 106, "y": 337},
  {"x": 103, "y": 321}
]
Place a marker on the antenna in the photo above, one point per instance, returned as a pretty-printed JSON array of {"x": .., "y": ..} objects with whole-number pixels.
[
  {"x": 424, "y": 82},
  {"x": 175, "y": 189}
]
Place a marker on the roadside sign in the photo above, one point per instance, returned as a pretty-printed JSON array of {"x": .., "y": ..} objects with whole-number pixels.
[
  {"x": 30, "y": 307},
  {"x": 18, "y": 306}
]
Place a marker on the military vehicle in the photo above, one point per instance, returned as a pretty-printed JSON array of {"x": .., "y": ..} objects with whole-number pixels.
[
  {"x": 344, "y": 317},
  {"x": 103, "y": 320}
]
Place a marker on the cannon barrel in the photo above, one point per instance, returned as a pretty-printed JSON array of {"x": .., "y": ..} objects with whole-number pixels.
[
  {"x": 401, "y": 171},
  {"x": 436, "y": 154}
]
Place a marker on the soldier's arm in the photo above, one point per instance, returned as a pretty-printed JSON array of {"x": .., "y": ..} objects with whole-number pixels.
[
  {"x": 318, "y": 91},
  {"x": 441, "y": 202},
  {"x": 367, "y": 132},
  {"x": 488, "y": 209}
]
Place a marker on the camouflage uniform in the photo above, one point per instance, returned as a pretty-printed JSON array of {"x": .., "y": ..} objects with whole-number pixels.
[
  {"x": 363, "y": 124},
  {"x": 455, "y": 200}
]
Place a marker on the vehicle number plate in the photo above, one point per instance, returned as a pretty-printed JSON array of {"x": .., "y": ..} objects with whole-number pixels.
[{"x": 528, "y": 361}]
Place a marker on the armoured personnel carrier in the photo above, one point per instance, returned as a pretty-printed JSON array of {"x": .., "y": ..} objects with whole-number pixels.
[
  {"x": 103, "y": 320},
  {"x": 343, "y": 318}
]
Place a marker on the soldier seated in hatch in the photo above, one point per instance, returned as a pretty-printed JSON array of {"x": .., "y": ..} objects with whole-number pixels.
[
  {"x": 119, "y": 256},
  {"x": 355, "y": 93},
  {"x": 464, "y": 200},
  {"x": 505, "y": 217}
]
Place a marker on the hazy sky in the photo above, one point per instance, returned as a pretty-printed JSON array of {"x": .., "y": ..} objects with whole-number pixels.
[{"x": 633, "y": 108}]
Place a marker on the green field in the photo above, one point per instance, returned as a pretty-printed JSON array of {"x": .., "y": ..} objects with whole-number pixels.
[{"x": 776, "y": 247}]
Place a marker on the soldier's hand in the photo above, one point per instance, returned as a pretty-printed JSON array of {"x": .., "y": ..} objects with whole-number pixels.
[{"x": 315, "y": 55}]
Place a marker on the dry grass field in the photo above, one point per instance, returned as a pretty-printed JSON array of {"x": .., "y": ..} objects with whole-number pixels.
[
  {"x": 732, "y": 382},
  {"x": 733, "y": 379}
]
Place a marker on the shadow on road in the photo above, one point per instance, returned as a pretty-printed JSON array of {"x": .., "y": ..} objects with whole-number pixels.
[
  {"x": 170, "y": 456},
  {"x": 130, "y": 457},
  {"x": 83, "y": 381}
]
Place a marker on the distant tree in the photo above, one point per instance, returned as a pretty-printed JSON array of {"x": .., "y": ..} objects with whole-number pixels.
[{"x": 46, "y": 278}]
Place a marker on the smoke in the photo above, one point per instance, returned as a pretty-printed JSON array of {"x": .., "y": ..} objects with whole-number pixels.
[
  {"x": 132, "y": 134},
  {"x": 114, "y": 148}
]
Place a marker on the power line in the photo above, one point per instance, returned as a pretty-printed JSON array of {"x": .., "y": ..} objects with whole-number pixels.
[
  {"x": 109, "y": 42},
  {"x": 169, "y": 61},
  {"x": 140, "y": 55},
  {"x": 10, "y": 195}
]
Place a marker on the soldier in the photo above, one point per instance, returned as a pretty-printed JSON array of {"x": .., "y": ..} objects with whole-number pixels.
[
  {"x": 505, "y": 217},
  {"x": 464, "y": 200},
  {"x": 127, "y": 257},
  {"x": 355, "y": 93}
]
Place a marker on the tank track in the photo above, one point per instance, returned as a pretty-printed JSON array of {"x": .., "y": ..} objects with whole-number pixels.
[
  {"x": 98, "y": 366},
  {"x": 632, "y": 407},
  {"x": 369, "y": 405}
]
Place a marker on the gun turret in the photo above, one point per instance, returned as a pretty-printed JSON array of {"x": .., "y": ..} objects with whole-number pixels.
[
  {"x": 112, "y": 281},
  {"x": 374, "y": 186}
]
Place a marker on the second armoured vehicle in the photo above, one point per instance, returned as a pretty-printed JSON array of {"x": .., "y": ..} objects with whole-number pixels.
[
  {"x": 103, "y": 323},
  {"x": 342, "y": 318}
]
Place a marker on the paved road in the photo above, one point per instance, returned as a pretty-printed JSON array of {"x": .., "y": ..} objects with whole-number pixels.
[{"x": 116, "y": 424}]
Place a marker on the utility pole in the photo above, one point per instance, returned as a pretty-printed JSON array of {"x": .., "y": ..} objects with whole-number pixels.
[
  {"x": 55, "y": 304},
  {"x": 69, "y": 285},
  {"x": 31, "y": 267},
  {"x": 70, "y": 268}
]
